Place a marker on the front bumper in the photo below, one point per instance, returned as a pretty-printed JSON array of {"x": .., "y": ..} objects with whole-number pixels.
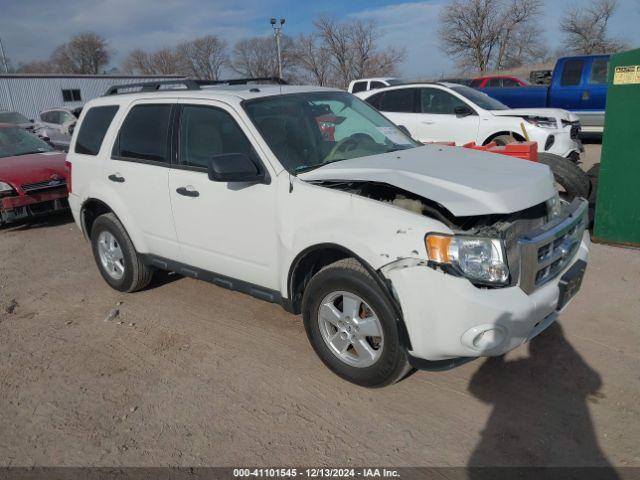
[
  {"x": 443, "y": 313},
  {"x": 20, "y": 207},
  {"x": 558, "y": 142}
]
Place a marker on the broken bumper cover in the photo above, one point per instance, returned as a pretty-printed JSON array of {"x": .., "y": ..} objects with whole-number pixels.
[
  {"x": 19, "y": 207},
  {"x": 450, "y": 321}
]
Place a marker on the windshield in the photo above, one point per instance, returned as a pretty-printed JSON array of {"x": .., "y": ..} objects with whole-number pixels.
[
  {"x": 308, "y": 130},
  {"x": 14, "y": 141},
  {"x": 13, "y": 117},
  {"x": 479, "y": 98}
]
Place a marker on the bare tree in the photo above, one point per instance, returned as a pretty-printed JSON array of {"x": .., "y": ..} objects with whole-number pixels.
[
  {"x": 585, "y": 29},
  {"x": 165, "y": 61},
  {"x": 137, "y": 62},
  {"x": 86, "y": 53},
  {"x": 353, "y": 49},
  {"x": 35, "y": 67},
  {"x": 484, "y": 34},
  {"x": 258, "y": 57},
  {"x": 314, "y": 60},
  {"x": 204, "y": 57}
]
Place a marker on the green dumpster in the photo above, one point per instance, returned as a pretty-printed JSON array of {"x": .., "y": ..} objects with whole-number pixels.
[{"x": 617, "y": 218}]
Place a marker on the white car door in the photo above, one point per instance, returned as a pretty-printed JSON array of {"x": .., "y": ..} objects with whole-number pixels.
[
  {"x": 227, "y": 228},
  {"x": 445, "y": 118},
  {"x": 138, "y": 174}
]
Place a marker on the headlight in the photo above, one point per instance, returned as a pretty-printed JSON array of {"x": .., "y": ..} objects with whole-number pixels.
[
  {"x": 5, "y": 189},
  {"x": 479, "y": 259},
  {"x": 544, "y": 122},
  {"x": 554, "y": 207}
]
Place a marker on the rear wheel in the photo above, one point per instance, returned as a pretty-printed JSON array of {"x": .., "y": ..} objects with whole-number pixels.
[
  {"x": 571, "y": 180},
  {"x": 119, "y": 263},
  {"x": 352, "y": 327}
]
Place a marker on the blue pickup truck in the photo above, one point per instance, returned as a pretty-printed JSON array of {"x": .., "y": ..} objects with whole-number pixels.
[{"x": 578, "y": 84}]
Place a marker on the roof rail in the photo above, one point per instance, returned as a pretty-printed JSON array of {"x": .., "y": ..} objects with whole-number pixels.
[{"x": 187, "y": 84}]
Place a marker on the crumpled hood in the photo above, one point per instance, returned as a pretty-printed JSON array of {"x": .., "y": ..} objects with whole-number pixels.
[
  {"x": 556, "y": 113},
  {"x": 466, "y": 182}
]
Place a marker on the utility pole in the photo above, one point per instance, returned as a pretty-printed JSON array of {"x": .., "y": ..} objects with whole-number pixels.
[
  {"x": 4, "y": 58},
  {"x": 276, "y": 33}
]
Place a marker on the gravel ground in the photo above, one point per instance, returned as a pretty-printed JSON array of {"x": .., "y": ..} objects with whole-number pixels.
[{"x": 186, "y": 373}]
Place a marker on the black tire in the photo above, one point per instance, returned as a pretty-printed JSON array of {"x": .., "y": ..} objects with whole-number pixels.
[
  {"x": 573, "y": 180},
  {"x": 348, "y": 275},
  {"x": 136, "y": 275},
  {"x": 502, "y": 140}
]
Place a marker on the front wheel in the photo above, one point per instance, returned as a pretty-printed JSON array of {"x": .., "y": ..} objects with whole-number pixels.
[{"x": 352, "y": 327}]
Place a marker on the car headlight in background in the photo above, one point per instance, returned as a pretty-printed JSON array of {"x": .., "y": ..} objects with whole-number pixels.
[
  {"x": 481, "y": 260},
  {"x": 6, "y": 189},
  {"x": 544, "y": 122}
]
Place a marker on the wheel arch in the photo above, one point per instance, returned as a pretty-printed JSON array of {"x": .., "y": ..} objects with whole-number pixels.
[
  {"x": 313, "y": 258},
  {"x": 515, "y": 135},
  {"x": 91, "y": 209}
]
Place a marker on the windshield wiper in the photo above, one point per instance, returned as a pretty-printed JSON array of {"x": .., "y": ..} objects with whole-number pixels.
[{"x": 308, "y": 168}]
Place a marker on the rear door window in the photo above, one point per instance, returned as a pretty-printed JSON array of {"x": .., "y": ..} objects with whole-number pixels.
[
  {"x": 93, "y": 129},
  {"x": 375, "y": 85},
  {"x": 510, "y": 82},
  {"x": 401, "y": 100},
  {"x": 144, "y": 135},
  {"x": 494, "y": 82},
  {"x": 572, "y": 72},
  {"x": 599, "y": 68}
]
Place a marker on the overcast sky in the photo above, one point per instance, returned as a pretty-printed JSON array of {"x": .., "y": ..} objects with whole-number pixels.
[{"x": 31, "y": 29}]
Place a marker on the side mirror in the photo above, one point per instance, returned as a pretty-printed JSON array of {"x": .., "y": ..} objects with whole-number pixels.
[
  {"x": 234, "y": 167},
  {"x": 462, "y": 111}
]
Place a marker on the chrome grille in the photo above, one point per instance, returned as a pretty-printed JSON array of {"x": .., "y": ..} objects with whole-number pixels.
[
  {"x": 39, "y": 187},
  {"x": 544, "y": 253}
]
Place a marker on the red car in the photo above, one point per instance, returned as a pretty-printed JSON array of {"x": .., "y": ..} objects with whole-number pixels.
[
  {"x": 497, "y": 81},
  {"x": 33, "y": 179}
]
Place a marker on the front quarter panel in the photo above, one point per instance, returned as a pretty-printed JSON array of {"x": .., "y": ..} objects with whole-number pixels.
[{"x": 377, "y": 232}]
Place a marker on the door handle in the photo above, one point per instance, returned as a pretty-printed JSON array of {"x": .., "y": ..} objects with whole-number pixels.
[
  {"x": 586, "y": 95},
  {"x": 116, "y": 178},
  {"x": 188, "y": 192},
  {"x": 428, "y": 123}
]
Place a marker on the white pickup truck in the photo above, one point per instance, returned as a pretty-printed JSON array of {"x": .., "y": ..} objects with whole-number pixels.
[{"x": 398, "y": 255}]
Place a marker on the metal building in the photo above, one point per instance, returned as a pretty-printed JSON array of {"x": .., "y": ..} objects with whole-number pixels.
[{"x": 30, "y": 94}]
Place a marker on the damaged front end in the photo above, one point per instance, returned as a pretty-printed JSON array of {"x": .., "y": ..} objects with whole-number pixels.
[{"x": 482, "y": 248}]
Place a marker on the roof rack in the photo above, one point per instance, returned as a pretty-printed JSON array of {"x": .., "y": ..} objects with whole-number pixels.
[{"x": 186, "y": 84}]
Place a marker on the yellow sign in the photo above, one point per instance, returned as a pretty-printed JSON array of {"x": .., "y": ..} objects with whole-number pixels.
[{"x": 626, "y": 75}]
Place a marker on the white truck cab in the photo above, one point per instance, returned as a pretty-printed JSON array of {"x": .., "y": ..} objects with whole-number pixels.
[
  {"x": 398, "y": 255},
  {"x": 366, "y": 84}
]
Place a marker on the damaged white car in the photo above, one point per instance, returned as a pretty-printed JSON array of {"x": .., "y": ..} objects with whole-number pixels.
[{"x": 397, "y": 255}]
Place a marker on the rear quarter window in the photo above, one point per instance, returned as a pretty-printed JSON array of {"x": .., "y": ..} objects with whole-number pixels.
[
  {"x": 93, "y": 129},
  {"x": 599, "y": 69}
]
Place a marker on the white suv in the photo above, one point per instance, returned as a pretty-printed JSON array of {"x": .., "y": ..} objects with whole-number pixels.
[{"x": 398, "y": 255}]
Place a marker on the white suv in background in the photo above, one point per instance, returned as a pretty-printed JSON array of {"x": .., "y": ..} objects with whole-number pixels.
[
  {"x": 398, "y": 255},
  {"x": 441, "y": 112}
]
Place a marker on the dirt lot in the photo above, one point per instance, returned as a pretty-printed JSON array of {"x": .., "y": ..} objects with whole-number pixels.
[{"x": 191, "y": 374}]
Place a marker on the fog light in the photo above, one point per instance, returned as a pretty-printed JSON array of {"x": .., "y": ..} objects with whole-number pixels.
[
  {"x": 484, "y": 337},
  {"x": 549, "y": 143}
]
